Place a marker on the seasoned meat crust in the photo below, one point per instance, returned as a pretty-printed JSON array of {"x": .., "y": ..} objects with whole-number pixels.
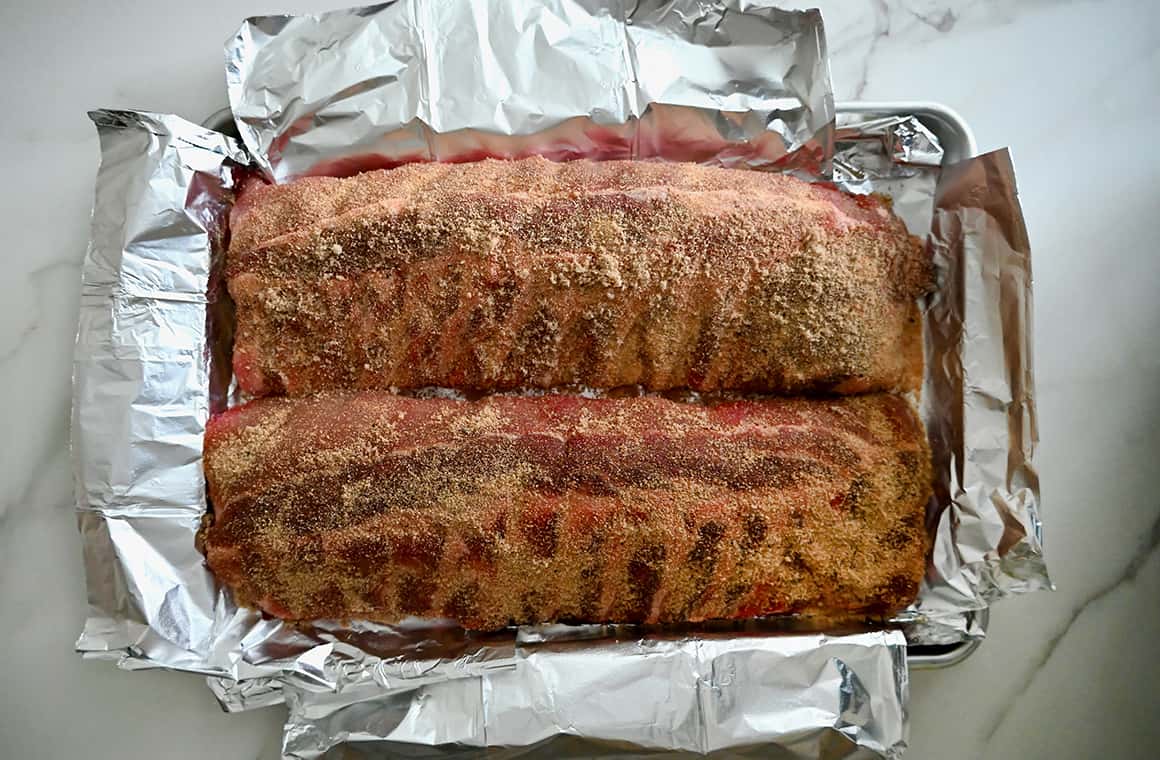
[
  {"x": 500, "y": 275},
  {"x": 516, "y": 509}
]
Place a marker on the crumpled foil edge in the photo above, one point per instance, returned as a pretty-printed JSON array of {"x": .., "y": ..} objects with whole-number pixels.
[
  {"x": 809, "y": 696},
  {"x": 140, "y": 381},
  {"x": 731, "y": 82},
  {"x": 988, "y": 539}
]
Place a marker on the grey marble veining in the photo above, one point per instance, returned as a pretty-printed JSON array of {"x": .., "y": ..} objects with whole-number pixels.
[{"x": 1073, "y": 88}]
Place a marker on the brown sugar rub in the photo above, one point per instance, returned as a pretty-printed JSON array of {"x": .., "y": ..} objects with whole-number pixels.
[
  {"x": 500, "y": 275},
  {"x": 518, "y": 510}
]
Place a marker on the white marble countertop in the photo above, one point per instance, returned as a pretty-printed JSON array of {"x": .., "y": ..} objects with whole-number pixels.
[{"x": 1072, "y": 87}]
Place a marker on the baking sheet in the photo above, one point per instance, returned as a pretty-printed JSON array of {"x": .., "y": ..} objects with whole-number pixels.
[{"x": 149, "y": 365}]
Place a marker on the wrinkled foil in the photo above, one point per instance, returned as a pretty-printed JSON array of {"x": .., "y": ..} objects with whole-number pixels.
[
  {"x": 791, "y": 696},
  {"x": 897, "y": 156},
  {"x": 731, "y": 82},
  {"x": 151, "y": 362},
  {"x": 979, "y": 398},
  {"x": 141, "y": 387}
]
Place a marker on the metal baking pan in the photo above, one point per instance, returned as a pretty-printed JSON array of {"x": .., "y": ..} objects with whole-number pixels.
[{"x": 958, "y": 143}]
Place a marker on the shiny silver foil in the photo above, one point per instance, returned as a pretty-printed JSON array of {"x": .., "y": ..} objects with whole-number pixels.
[
  {"x": 978, "y": 393},
  {"x": 733, "y": 83},
  {"x": 979, "y": 399},
  {"x": 894, "y": 155},
  {"x": 784, "y": 696},
  {"x": 141, "y": 387}
]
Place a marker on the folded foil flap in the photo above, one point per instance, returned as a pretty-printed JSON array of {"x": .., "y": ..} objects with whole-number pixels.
[
  {"x": 797, "y": 696},
  {"x": 987, "y": 530},
  {"x": 140, "y": 385},
  {"x": 725, "y": 82}
]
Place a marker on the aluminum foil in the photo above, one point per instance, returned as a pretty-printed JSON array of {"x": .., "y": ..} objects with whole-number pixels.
[
  {"x": 786, "y": 696},
  {"x": 728, "y": 83},
  {"x": 734, "y": 82},
  {"x": 979, "y": 398},
  {"x": 897, "y": 156},
  {"x": 141, "y": 387}
]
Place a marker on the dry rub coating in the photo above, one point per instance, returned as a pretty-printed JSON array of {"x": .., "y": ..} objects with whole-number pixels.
[
  {"x": 561, "y": 508},
  {"x": 531, "y": 274}
]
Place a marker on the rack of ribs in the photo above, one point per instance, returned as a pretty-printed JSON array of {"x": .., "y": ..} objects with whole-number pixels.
[
  {"x": 516, "y": 509},
  {"x": 499, "y": 275}
]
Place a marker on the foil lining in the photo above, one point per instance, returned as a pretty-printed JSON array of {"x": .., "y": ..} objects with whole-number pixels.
[
  {"x": 149, "y": 363},
  {"x": 978, "y": 393},
  {"x": 141, "y": 387},
  {"x": 789, "y": 696},
  {"x": 732, "y": 82},
  {"x": 979, "y": 398}
]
